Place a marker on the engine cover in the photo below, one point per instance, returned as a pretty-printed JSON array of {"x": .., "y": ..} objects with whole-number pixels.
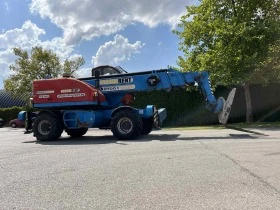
[{"x": 65, "y": 92}]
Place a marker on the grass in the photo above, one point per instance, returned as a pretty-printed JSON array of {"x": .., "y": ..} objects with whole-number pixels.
[
  {"x": 257, "y": 125},
  {"x": 237, "y": 125},
  {"x": 206, "y": 127}
]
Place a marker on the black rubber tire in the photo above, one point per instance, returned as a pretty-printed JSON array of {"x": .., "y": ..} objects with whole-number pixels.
[
  {"x": 47, "y": 127},
  {"x": 13, "y": 125},
  {"x": 148, "y": 124},
  {"x": 75, "y": 133},
  {"x": 126, "y": 125}
]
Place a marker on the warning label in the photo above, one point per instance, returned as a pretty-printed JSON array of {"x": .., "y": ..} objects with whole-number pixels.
[
  {"x": 44, "y": 92},
  {"x": 44, "y": 96},
  {"x": 119, "y": 87},
  {"x": 72, "y": 95}
]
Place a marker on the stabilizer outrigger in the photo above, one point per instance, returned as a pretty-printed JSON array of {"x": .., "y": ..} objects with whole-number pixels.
[{"x": 224, "y": 114}]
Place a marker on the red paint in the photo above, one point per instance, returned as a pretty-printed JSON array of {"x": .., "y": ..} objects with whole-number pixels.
[
  {"x": 128, "y": 99},
  {"x": 57, "y": 91}
]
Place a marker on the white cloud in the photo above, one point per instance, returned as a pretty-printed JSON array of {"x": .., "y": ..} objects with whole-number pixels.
[
  {"x": 116, "y": 51},
  {"x": 7, "y": 57},
  {"x": 74, "y": 56},
  {"x": 23, "y": 37},
  {"x": 93, "y": 18},
  {"x": 58, "y": 46},
  {"x": 27, "y": 37},
  {"x": 7, "y": 7},
  {"x": 84, "y": 72}
]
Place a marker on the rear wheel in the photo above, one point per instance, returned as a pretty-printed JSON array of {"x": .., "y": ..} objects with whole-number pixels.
[
  {"x": 76, "y": 132},
  {"x": 47, "y": 127},
  {"x": 126, "y": 125}
]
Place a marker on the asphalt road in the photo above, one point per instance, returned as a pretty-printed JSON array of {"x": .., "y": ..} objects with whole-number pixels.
[{"x": 203, "y": 169}]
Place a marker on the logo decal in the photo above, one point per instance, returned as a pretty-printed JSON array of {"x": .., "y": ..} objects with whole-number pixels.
[
  {"x": 44, "y": 96},
  {"x": 44, "y": 92},
  {"x": 116, "y": 81},
  {"x": 74, "y": 90},
  {"x": 71, "y": 95},
  {"x": 125, "y": 80},
  {"x": 119, "y": 87},
  {"x": 108, "y": 82}
]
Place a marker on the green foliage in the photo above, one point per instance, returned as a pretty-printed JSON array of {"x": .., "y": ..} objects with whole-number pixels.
[
  {"x": 183, "y": 107},
  {"x": 71, "y": 66},
  {"x": 235, "y": 40},
  {"x": 30, "y": 67},
  {"x": 7, "y": 114},
  {"x": 269, "y": 70},
  {"x": 37, "y": 65}
]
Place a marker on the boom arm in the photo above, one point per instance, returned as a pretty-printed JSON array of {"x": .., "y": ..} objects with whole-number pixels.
[
  {"x": 220, "y": 106},
  {"x": 167, "y": 79},
  {"x": 202, "y": 79}
]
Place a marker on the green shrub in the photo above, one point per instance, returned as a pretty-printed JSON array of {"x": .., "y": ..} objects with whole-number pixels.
[
  {"x": 7, "y": 114},
  {"x": 183, "y": 107}
]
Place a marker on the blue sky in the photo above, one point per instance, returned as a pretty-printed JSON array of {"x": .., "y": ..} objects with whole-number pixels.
[{"x": 133, "y": 34}]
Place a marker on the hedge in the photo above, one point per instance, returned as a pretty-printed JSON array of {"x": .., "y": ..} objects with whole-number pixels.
[
  {"x": 183, "y": 107},
  {"x": 7, "y": 114},
  {"x": 188, "y": 107}
]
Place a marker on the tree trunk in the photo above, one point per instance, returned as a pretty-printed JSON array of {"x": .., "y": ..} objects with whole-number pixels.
[{"x": 249, "y": 110}]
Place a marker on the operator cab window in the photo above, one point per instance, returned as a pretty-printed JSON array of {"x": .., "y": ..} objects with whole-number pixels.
[
  {"x": 105, "y": 70},
  {"x": 109, "y": 71}
]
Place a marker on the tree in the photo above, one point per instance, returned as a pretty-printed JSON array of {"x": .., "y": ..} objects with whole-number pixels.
[
  {"x": 71, "y": 66},
  {"x": 234, "y": 40},
  {"x": 37, "y": 65}
]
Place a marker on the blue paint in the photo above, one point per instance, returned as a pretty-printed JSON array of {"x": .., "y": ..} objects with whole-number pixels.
[{"x": 66, "y": 104}]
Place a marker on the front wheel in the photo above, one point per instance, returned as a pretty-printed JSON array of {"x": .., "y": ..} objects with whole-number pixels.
[
  {"x": 13, "y": 125},
  {"x": 75, "y": 133},
  {"x": 47, "y": 127},
  {"x": 126, "y": 125}
]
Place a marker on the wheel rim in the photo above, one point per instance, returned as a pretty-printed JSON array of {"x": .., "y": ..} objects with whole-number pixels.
[
  {"x": 125, "y": 125},
  {"x": 44, "y": 127},
  {"x": 14, "y": 125}
]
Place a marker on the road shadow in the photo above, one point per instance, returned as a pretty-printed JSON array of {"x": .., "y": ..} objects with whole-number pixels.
[
  {"x": 109, "y": 139},
  {"x": 84, "y": 140},
  {"x": 230, "y": 137}
]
